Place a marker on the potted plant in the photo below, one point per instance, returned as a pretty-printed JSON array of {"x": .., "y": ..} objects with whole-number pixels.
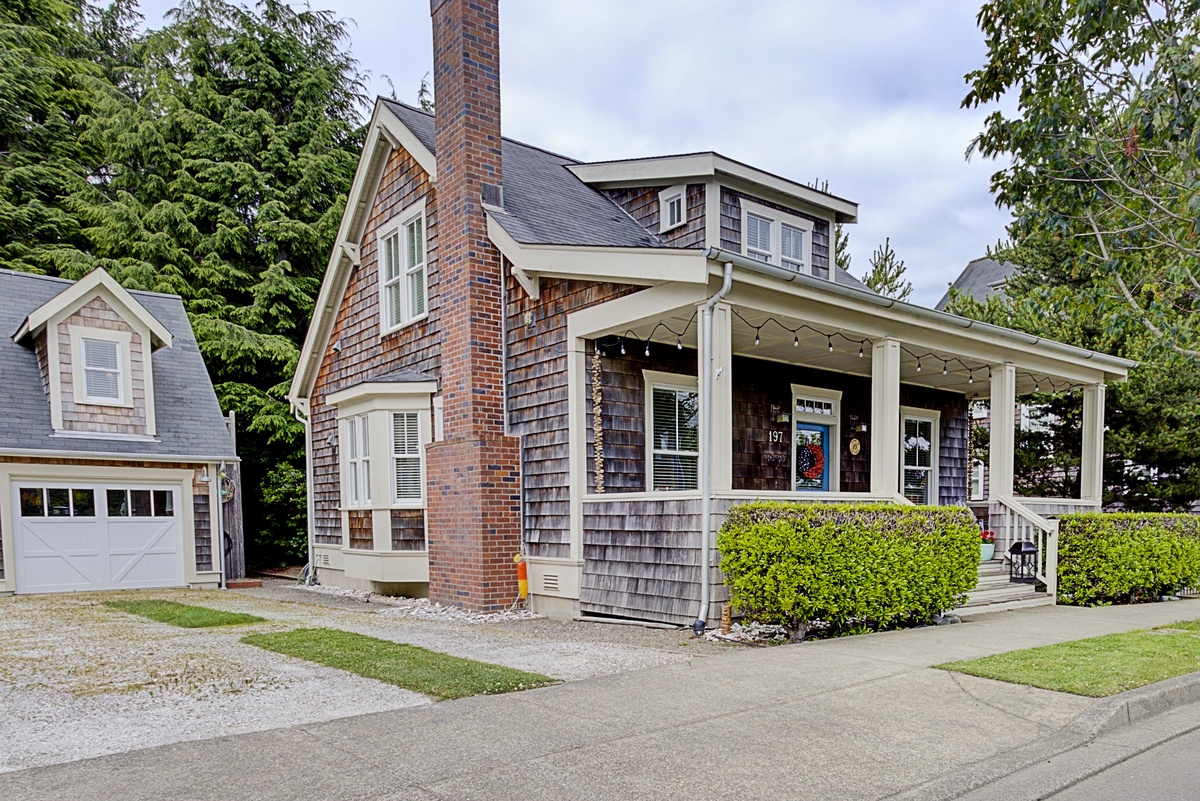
[{"x": 987, "y": 546}]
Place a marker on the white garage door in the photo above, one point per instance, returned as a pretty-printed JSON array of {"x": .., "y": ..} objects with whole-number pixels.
[{"x": 96, "y": 536}]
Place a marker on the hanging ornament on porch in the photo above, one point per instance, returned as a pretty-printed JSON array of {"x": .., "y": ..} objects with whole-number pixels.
[
  {"x": 810, "y": 461},
  {"x": 598, "y": 420}
]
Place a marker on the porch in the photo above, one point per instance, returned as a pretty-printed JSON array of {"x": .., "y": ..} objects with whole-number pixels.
[{"x": 802, "y": 396}]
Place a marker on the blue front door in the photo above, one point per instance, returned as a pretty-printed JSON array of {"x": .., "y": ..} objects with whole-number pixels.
[{"x": 811, "y": 459}]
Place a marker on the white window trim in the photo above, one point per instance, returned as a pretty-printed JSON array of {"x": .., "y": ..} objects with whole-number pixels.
[
  {"x": 835, "y": 432},
  {"x": 398, "y": 226},
  {"x": 124, "y": 340},
  {"x": 935, "y": 449},
  {"x": 778, "y": 220},
  {"x": 664, "y": 199},
  {"x": 977, "y": 468},
  {"x": 677, "y": 381},
  {"x": 377, "y": 402},
  {"x": 423, "y": 440},
  {"x": 350, "y": 430}
]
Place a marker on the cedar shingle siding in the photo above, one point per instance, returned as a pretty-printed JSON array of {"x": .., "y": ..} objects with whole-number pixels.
[
  {"x": 363, "y": 351},
  {"x": 642, "y": 204}
]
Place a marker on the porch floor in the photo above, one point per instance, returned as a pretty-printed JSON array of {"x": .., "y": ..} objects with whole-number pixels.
[{"x": 994, "y": 592}]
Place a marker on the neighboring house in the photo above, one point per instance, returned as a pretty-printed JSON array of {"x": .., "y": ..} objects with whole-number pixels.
[
  {"x": 111, "y": 440},
  {"x": 980, "y": 279},
  {"x": 513, "y": 351}
]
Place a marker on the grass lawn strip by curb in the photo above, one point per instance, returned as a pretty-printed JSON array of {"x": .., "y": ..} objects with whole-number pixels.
[
  {"x": 1099, "y": 666},
  {"x": 408, "y": 666},
  {"x": 183, "y": 615}
]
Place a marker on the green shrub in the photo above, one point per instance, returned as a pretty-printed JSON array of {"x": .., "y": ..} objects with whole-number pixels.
[
  {"x": 877, "y": 565},
  {"x": 1121, "y": 558}
]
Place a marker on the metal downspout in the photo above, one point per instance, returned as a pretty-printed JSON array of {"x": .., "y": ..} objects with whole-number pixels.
[
  {"x": 707, "y": 377},
  {"x": 309, "y": 576}
]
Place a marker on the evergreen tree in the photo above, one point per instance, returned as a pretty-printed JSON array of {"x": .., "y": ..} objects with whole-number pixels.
[
  {"x": 48, "y": 84},
  {"x": 229, "y": 146},
  {"x": 886, "y": 275},
  {"x": 841, "y": 247}
]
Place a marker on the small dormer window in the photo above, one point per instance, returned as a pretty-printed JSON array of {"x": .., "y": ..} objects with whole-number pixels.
[
  {"x": 671, "y": 208},
  {"x": 101, "y": 370}
]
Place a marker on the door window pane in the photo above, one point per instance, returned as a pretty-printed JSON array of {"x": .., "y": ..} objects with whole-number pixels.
[
  {"x": 83, "y": 502},
  {"x": 118, "y": 503},
  {"x": 33, "y": 503},
  {"x": 139, "y": 502},
  {"x": 58, "y": 502},
  {"x": 164, "y": 503}
]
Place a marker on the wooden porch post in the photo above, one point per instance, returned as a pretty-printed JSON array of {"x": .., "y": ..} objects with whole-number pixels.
[
  {"x": 721, "y": 447},
  {"x": 1091, "y": 466},
  {"x": 1003, "y": 430},
  {"x": 885, "y": 417}
]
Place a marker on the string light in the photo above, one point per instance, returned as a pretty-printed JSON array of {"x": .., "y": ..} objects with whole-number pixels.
[
  {"x": 944, "y": 368},
  {"x": 971, "y": 377},
  {"x": 622, "y": 346},
  {"x": 830, "y": 341},
  {"x": 647, "y": 347},
  {"x": 756, "y": 337},
  {"x": 860, "y": 351},
  {"x": 796, "y": 341},
  {"x": 678, "y": 343},
  {"x": 918, "y": 365}
]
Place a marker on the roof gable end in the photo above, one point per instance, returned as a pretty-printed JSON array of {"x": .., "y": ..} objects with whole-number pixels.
[{"x": 96, "y": 284}]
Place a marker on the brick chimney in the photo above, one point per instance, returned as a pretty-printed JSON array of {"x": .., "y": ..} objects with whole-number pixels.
[{"x": 473, "y": 523}]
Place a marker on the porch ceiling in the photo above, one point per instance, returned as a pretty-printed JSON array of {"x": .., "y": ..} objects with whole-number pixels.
[{"x": 791, "y": 340}]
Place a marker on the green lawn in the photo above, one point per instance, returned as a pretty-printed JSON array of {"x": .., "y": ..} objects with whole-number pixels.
[
  {"x": 429, "y": 672},
  {"x": 183, "y": 615},
  {"x": 1099, "y": 666}
]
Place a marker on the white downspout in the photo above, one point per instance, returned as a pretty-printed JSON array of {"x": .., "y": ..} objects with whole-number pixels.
[
  {"x": 310, "y": 577},
  {"x": 707, "y": 375}
]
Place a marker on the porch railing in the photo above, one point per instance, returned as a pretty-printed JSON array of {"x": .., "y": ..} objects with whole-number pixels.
[{"x": 1022, "y": 524}]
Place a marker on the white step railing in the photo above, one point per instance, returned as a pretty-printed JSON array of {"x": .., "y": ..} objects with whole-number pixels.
[{"x": 1022, "y": 524}]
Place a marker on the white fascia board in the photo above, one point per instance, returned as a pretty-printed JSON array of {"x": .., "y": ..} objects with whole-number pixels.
[
  {"x": 383, "y": 135},
  {"x": 382, "y": 389},
  {"x": 697, "y": 168},
  {"x": 646, "y": 266},
  {"x": 615, "y": 315},
  {"x": 97, "y": 283},
  {"x": 48, "y": 453}
]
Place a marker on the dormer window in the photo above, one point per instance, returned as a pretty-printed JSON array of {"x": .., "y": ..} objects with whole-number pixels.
[
  {"x": 101, "y": 370},
  {"x": 402, "y": 268},
  {"x": 777, "y": 237},
  {"x": 671, "y": 208}
]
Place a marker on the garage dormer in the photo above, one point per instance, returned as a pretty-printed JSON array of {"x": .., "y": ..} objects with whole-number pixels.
[{"x": 94, "y": 343}]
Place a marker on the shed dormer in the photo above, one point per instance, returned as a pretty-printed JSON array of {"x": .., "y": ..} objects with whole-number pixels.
[{"x": 94, "y": 343}]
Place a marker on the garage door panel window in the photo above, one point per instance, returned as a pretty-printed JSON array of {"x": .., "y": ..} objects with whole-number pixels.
[
  {"x": 57, "y": 502},
  {"x": 141, "y": 503}
]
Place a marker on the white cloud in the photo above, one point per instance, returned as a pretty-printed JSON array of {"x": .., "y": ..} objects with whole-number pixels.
[{"x": 864, "y": 94}]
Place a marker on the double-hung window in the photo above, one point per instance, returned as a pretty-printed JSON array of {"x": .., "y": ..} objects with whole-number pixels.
[
  {"x": 357, "y": 449},
  {"x": 403, "y": 270},
  {"x": 671, "y": 208},
  {"x": 674, "y": 430},
  {"x": 778, "y": 237},
  {"x": 919, "y": 455},
  {"x": 408, "y": 481},
  {"x": 102, "y": 379}
]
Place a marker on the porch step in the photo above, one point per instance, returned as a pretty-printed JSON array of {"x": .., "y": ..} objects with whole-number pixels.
[{"x": 994, "y": 591}]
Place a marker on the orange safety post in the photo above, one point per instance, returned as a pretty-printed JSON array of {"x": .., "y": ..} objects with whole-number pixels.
[{"x": 522, "y": 576}]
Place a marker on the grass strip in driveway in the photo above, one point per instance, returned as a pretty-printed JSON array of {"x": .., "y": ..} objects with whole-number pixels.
[
  {"x": 1099, "y": 666},
  {"x": 408, "y": 666},
  {"x": 183, "y": 615}
]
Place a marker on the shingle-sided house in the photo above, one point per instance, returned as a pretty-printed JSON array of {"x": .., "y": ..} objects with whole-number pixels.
[
  {"x": 111, "y": 440},
  {"x": 589, "y": 363}
]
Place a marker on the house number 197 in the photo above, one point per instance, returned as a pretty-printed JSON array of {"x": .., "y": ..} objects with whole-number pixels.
[{"x": 778, "y": 436}]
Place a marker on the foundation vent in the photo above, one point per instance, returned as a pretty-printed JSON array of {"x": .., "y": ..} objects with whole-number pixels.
[{"x": 550, "y": 582}]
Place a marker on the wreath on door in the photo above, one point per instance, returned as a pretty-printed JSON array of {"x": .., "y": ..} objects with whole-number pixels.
[{"x": 810, "y": 461}]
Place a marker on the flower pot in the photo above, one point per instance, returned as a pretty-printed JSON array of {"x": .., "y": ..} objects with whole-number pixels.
[{"x": 987, "y": 551}]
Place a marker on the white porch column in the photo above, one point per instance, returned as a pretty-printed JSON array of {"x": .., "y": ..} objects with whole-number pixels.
[
  {"x": 577, "y": 445},
  {"x": 720, "y": 362},
  {"x": 885, "y": 417},
  {"x": 1003, "y": 430},
  {"x": 1091, "y": 465}
]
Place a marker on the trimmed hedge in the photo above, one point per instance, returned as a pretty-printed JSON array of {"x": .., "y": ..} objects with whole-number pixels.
[
  {"x": 1123, "y": 558},
  {"x": 869, "y": 565}
]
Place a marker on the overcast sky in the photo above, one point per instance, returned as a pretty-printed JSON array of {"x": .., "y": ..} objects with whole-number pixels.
[{"x": 862, "y": 93}]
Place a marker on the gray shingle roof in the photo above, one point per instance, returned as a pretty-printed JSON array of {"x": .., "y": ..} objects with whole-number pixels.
[
  {"x": 980, "y": 279},
  {"x": 188, "y": 417}
]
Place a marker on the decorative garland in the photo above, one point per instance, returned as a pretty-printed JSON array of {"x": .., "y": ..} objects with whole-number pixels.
[{"x": 597, "y": 422}]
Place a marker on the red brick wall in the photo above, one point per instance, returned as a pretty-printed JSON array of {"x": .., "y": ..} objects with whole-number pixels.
[{"x": 473, "y": 474}]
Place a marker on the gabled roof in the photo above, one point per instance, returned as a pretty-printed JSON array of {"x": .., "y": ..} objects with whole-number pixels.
[
  {"x": 980, "y": 279},
  {"x": 189, "y": 419},
  {"x": 97, "y": 283}
]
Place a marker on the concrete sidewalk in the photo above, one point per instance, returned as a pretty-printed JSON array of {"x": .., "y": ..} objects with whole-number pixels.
[{"x": 857, "y": 717}]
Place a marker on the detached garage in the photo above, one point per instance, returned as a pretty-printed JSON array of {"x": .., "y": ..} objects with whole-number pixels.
[{"x": 112, "y": 444}]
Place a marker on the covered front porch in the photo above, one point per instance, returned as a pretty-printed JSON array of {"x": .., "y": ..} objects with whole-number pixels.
[{"x": 783, "y": 392}]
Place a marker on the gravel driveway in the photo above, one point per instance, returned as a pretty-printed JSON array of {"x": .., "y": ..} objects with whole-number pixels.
[{"x": 79, "y": 680}]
